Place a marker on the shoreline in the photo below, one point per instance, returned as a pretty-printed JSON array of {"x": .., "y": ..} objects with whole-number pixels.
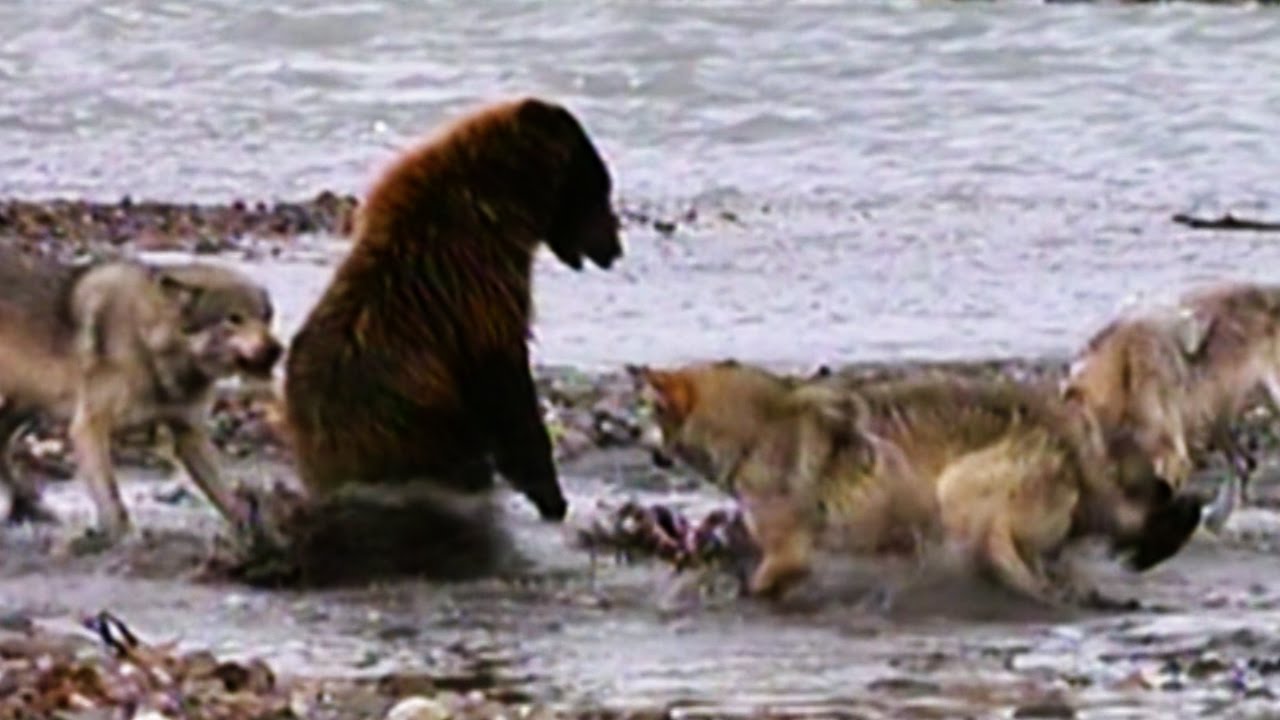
[
  {"x": 66, "y": 226},
  {"x": 586, "y": 410},
  {"x": 591, "y": 413}
]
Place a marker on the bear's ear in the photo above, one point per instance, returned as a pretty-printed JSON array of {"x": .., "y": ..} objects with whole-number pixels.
[{"x": 541, "y": 113}]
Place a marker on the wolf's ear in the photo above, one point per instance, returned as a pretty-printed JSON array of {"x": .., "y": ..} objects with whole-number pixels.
[
  {"x": 674, "y": 389},
  {"x": 1191, "y": 330},
  {"x": 639, "y": 375},
  {"x": 183, "y": 295},
  {"x": 841, "y": 411}
]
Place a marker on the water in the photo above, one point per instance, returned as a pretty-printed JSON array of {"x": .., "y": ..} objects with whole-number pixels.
[
  {"x": 871, "y": 181},
  {"x": 619, "y": 635},
  {"x": 908, "y": 179}
]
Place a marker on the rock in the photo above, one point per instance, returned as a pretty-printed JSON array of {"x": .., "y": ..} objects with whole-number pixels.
[
  {"x": 419, "y": 708},
  {"x": 1206, "y": 666},
  {"x": 16, "y": 622},
  {"x": 905, "y": 686},
  {"x": 1049, "y": 709}
]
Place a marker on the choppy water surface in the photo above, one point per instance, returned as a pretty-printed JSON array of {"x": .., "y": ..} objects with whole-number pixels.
[
  {"x": 917, "y": 179},
  {"x": 870, "y": 180}
]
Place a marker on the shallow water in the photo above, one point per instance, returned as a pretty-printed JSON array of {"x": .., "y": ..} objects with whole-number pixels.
[
  {"x": 872, "y": 182},
  {"x": 904, "y": 179},
  {"x": 579, "y": 632}
]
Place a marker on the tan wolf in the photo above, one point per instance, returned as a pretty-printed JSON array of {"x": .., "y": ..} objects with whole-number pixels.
[
  {"x": 119, "y": 344},
  {"x": 1177, "y": 376},
  {"x": 1010, "y": 473}
]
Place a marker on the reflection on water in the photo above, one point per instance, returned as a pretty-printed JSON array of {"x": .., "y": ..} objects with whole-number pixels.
[{"x": 893, "y": 179}]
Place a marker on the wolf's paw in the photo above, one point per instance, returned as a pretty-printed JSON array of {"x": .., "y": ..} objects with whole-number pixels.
[{"x": 94, "y": 542}]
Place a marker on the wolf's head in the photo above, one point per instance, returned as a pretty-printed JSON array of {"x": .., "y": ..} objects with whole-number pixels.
[
  {"x": 708, "y": 415},
  {"x": 226, "y": 318}
]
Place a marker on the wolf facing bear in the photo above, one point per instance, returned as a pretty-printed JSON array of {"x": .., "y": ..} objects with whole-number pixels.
[{"x": 1006, "y": 471}]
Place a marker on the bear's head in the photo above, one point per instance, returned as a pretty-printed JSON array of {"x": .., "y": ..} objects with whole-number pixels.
[{"x": 582, "y": 224}]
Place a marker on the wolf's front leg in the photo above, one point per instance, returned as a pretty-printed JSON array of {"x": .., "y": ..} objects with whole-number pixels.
[
  {"x": 1000, "y": 553},
  {"x": 90, "y": 434},
  {"x": 199, "y": 459},
  {"x": 785, "y": 543},
  {"x": 1231, "y": 492}
]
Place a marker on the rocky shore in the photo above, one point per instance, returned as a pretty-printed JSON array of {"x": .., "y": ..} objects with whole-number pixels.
[
  {"x": 103, "y": 670},
  {"x": 99, "y": 669},
  {"x": 69, "y": 228}
]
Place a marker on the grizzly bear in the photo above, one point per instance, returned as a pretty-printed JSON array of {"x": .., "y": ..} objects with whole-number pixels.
[{"x": 414, "y": 365}]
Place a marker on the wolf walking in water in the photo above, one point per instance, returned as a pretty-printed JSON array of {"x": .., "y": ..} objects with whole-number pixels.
[
  {"x": 1011, "y": 473},
  {"x": 1178, "y": 376},
  {"x": 116, "y": 344}
]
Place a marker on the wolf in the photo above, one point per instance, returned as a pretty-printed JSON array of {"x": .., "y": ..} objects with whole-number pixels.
[
  {"x": 1177, "y": 375},
  {"x": 119, "y": 344},
  {"x": 1006, "y": 471}
]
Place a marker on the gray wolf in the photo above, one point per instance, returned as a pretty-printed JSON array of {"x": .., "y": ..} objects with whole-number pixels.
[
  {"x": 1009, "y": 473},
  {"x": 1178, "y": 375},
  {"x": 120, "y": 344}
]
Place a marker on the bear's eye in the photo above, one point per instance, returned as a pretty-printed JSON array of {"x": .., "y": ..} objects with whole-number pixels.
[{"x": 235, "y": 319}]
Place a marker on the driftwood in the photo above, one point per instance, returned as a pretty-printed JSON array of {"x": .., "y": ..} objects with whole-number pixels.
[{"x": 1226, "y": 222}]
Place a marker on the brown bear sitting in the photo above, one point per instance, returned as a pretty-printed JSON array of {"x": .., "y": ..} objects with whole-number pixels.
[{"x": 414, "y": 364}]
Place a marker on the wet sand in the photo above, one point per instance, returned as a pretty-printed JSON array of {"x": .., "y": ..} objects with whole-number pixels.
[
  {"x": 575, "y": 632},
  {"x": 928, "y": 180}
]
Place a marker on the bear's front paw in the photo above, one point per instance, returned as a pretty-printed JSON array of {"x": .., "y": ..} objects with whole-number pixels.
[{"x": 552, "y": 509}]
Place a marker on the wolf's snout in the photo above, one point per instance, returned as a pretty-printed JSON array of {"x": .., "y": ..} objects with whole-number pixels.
[
  {"x": 651, "y": 439},
  {"x": 271, "y": 352},
  {"x": 260, "y": 357}
]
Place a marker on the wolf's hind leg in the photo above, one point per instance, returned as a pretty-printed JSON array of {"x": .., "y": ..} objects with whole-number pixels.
[
  {"x": 985, "y": 500},
  {"x": 1002, "y": 557}
]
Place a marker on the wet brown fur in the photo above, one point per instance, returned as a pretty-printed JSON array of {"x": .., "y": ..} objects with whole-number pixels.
[
  {"x": 115, "y": 345},
  {"x": 414, "y": 365},
  {"x": 359, "y": 535},
  {"x": 1004, "y": 470},
  {"x": 1178, "y": 377}
]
